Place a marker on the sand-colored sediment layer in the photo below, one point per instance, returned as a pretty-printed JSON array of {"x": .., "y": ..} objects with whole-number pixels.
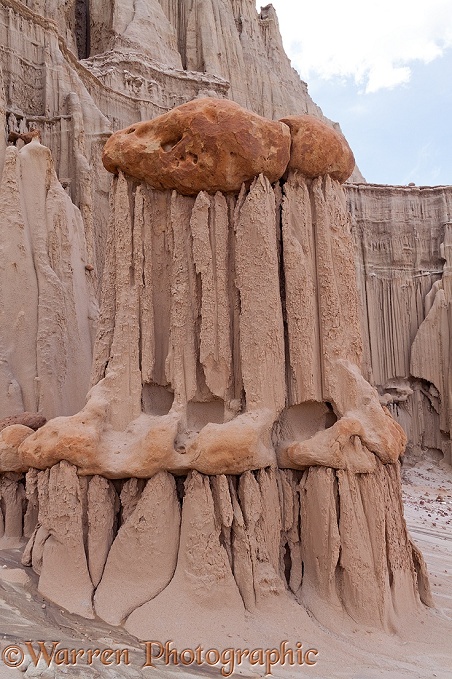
[
  {"x": 330, "y": 543},
  {"x": 420, "y": 648},
  {"x": 229, "y": 340}
]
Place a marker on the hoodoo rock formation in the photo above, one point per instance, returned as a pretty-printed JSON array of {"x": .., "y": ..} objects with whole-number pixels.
[
  {"x": 228, "y": 352},
  {"x": 93, "y": 70},
  {"x": 211, "y": 355}
]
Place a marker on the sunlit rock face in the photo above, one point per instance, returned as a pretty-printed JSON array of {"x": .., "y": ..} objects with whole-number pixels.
[
  {"x": 205, "y": 145},
  {"x": 318, "y": 149}
]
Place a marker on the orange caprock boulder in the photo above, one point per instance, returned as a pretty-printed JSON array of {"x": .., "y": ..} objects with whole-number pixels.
[
  {"x": 318, "y": 149},
  {"x": 205, "y": 145}
]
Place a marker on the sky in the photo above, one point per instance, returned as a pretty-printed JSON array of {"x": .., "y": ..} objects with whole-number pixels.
[{"x": 383, "y": 70}]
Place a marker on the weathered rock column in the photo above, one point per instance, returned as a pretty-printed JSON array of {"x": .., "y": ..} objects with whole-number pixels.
[{"x": 231, "y": 457}]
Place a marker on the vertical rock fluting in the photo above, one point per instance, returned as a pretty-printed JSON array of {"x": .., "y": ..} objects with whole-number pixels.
[
  {"x": 135, "y": 72},
  {"x": 303, "y": 332},
  {"x": 2, "y": 121},
  {"x": 231, "y": 40},
  {"x": 321, "y": 296},
  {"x": 261, "y": 324},
  {"x": 102, "y": 507},
  {"x": 430, "y": 352},
  {"x": 134, "y": 26},
  {"x": 214, "y": 362},
  {"x": 401, "y": 243},
  {"x": 47, "y": 300},
  {"x": 331, "y": 540},
  {"x": 12, "y": 503}
]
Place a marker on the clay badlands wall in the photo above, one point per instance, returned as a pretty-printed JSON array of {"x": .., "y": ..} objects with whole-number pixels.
[
  {"x": 231, "y": 441},
  {"x": 402, "y": 251}
]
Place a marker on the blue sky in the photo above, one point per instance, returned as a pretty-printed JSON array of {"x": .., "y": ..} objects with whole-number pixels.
[{"x": 383, "y": 70}]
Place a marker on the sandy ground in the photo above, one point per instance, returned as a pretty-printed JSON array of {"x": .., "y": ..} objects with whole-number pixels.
[
  {"x": 422, "y": 649},
  {"x": 427, "y": 496}
]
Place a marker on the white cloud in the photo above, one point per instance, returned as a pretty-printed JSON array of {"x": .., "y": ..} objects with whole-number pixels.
[{"x": 372, "y": 41}]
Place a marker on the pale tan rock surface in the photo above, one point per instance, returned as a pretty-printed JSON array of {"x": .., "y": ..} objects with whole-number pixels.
[
  {"x": 430, "y": 349},
  {"x": 154, "y": 410},
  {"x": 61, "y": 518},
  {"x": 230, "y": 40},
  {"x": 129, "y": 76},
  {"x": 424, "y": 638},
  {"x": 230, "y": 341},
  {"x": 48, "y": 303},
  {"x": 75, "y": 104},
  {"x": 206, "y": 145},
  {"x": 347, "y": 552},
  {"x": 318, "y": 149},
  {"x": 335, "y": 539},
  {"x": 133, "y": 25},
  {"x": 203, "y": 585},
  {"x": 32, "y": 495},
  {"x": 218, "y": 390},
  {"x": 102, "y": 507},
  {"x": 47, "y": 92},
  {"x": 15, "y": 576},
  {"x": 401, "y": 236},
  {"x": 12, "y": 501},
  {"x": 142, "y": 559},
  {"x": 2, "y": 121}
]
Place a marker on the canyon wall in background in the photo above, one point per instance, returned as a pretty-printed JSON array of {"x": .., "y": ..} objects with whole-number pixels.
[{"x": 402, "y": 252}]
